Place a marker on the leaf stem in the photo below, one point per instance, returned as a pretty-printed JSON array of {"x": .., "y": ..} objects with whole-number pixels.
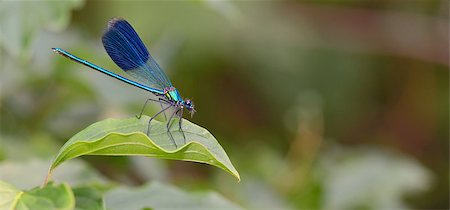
[{"x": 49, "y": 174}]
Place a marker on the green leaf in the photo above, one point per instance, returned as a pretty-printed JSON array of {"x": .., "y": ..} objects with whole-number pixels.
[
  {"x": 88, "y": 198},
  {"x": 49, "y": 197},
  {"x": 159, "y": 196},
  {"x": 370, "y": 178},
  {"x": 9, "y": 195},
  {"x": 127, "y": 137}
]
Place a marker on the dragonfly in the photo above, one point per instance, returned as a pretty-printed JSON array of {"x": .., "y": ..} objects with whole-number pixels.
[{"x": 127, "y": 50}]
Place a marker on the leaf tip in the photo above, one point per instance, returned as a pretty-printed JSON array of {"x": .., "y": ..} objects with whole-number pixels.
[{"x": 238, "y": 177}]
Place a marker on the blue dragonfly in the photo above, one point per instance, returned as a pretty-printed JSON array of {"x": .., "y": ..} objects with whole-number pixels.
[{"x": 127, "y": 50}]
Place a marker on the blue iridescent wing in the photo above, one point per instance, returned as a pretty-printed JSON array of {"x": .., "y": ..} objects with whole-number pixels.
[{"x": 126, "y": 49}]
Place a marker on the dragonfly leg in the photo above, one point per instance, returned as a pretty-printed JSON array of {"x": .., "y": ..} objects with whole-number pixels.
[
  {"x": 161, "y": 103},
  {"x": 145, "y": 104},
  {"x": 153, "y": 117},
  {"x": 180, "y": 115},
  {"x": 168, "y": 125}
]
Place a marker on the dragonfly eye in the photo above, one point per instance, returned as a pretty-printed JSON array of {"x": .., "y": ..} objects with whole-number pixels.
[{"x": 189, "y": 105}]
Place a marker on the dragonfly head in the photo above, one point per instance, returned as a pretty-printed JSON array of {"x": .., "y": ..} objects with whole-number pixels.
[{"x": 189, "y": 106}]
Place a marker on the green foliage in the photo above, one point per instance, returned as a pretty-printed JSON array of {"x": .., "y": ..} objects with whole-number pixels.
[
  {"x": 127, "y": 137},
  {"x": 162, "y": 196},
  {"x": 88, "y": 198},
  {"x": 370, "y": 178},
  {"x": 18, "y": 33},
  {"x": 9, "y": 195},
  {"x": 50, "y": 197},
  {"x": 154, "y": 196},
  {"x": 281, "y": 82}
]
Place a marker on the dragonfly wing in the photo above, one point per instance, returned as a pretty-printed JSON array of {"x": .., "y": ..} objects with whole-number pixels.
[{"x": 127, "y": 50}]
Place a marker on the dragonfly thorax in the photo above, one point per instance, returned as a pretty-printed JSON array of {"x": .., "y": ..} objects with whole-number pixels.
[{"x": 174, "y": 96}]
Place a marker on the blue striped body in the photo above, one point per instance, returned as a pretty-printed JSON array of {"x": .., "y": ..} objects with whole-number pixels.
[{"x": 107, "y": 72}]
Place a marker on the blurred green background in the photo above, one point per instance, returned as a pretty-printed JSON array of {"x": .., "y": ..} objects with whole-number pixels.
[{"x": 319, "y": 104}]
